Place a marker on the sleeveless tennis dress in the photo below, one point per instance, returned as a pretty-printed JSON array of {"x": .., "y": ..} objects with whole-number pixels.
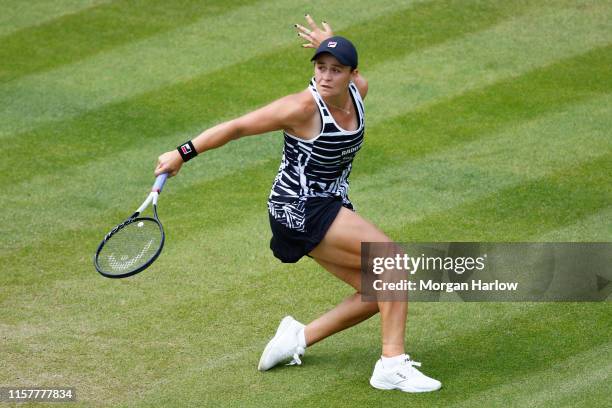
[{"x": 312, "y": 182}]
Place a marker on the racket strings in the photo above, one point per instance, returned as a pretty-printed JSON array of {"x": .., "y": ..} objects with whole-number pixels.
[{"x": 131, "y": 247}]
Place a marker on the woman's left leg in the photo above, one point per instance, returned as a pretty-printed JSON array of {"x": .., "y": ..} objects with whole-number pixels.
[{"x": 347, "y": 314}]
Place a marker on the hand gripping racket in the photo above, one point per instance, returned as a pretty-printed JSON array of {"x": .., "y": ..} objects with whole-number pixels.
[{"x": 135, "y": 244}]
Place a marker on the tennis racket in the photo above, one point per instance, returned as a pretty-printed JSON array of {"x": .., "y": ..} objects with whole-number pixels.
[{"x": 135, "y": 244}]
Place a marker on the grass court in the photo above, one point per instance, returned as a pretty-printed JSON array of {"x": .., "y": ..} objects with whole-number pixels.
[{"x": 486, "y": 121}]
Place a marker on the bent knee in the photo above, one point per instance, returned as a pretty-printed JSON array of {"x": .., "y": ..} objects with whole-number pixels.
[{"x": 373, "y": 305}]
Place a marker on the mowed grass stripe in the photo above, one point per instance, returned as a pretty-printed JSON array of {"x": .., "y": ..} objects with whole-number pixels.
[
  {"x": 596, "y": 227},
  {"x": 521, "y": 211},
  {"x": 76, "y": 36},
  {"x": 476, "y": 169},
  {"x": 164, "y": 59},
  {"x": 428, "y": 24},
  {"x": 575, "y": 376},
  {"x": 18, "y": 15},
  {"x": 466, "y": 117},
  {"x": 160, "y": 119},
  {"x": 508, "y": 49},
  {"x": 191, "y": 105}
]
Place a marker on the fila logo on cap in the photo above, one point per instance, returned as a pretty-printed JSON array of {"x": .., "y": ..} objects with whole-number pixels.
[
  {"x": 186, "y": 149},
  {"x": 332, "y": 44}
]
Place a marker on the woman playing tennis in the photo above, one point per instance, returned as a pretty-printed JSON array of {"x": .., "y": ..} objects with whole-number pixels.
[{"x": 309, "y": 209}]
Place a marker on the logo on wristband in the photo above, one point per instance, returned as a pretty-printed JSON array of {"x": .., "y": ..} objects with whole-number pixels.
[{"x": 187, "y": 151}]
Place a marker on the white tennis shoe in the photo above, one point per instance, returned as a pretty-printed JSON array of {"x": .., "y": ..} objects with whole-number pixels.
[
  {"x": 284, "y": 344},
  {"x": 404, "y": 377}
]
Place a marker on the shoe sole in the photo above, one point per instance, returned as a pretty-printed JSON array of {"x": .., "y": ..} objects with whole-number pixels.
[
  {"x": 386, "y": 386},
  {"x": 281, "y": 328}
]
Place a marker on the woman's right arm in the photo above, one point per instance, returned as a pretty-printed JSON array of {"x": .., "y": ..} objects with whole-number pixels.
[{"x": 284, "y": 113}]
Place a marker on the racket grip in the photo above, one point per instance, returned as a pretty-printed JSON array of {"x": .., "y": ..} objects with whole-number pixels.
[{"x": 159, "y": 182}]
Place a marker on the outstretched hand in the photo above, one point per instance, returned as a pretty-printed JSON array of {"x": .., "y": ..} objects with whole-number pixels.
[{"x": 314, "y": 35}]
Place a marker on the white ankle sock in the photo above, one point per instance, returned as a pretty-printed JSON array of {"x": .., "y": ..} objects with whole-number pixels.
[
  {"x": 302, "y": 338},
  {"x": 391, "y": 362}
]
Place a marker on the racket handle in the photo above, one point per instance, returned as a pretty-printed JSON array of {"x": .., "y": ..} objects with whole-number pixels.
[{"x": 159, "y": 183}]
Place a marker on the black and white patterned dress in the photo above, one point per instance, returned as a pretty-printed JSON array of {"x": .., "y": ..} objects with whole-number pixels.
[{"x": 319, "y": 167}]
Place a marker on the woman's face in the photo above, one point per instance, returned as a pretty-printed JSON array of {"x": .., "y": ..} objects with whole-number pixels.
[{"x": 331, "y": 76}]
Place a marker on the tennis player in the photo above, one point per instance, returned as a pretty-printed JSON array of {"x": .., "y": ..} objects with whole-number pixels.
[{"x": 309, "y": 208}]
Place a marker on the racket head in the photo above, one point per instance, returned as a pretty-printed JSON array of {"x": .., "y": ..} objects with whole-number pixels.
[{"x": 130, "y": 247}]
